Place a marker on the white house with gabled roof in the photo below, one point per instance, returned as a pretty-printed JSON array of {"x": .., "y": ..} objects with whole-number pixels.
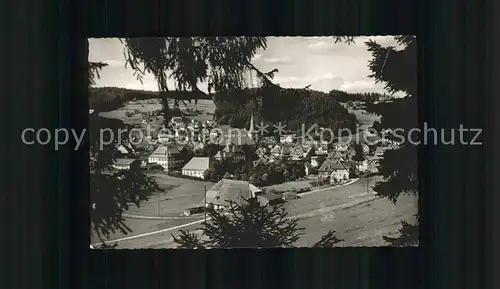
[
  {"x": 167, "y": 157},
  {"x": 196, "y": 167}
]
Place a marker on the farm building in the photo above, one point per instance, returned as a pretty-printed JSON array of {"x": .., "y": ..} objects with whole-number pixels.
[
  {"x": 316, "y": 161},
  {"x": 338, "y": 174},
  {"x": 196, "y": 167},
  {"x": 168, "y": 157},
  {"x": 231, "y": 151},
  {"x": 177, "y": 121},
  {"x": 227, "y": 190},
  {"x": 362, "y": 166},
  {"x": 125, "y": 164},
  {"x": 333, "y": 167}
]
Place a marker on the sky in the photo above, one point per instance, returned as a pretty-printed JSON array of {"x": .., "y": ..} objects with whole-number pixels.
[{"x": 301, "y": 61}]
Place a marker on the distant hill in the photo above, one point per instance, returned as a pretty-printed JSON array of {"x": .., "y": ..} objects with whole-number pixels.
[
  {"x": 292, "y": 107},
  {"x": 342, "y": 96},
  {"x": 111, "y": 98}
]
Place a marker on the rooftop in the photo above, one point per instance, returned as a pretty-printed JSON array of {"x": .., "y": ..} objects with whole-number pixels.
[
  {"x": 123, "y": 162},
  {"x": 198, "y": 164},
  {"x": 336, "y": 155},
  {"x": 331, "y": 165},
  {"x": 261, "y": 150},
  {"x": 231, "y": 190},
  {"x": 167, "y": 150}
]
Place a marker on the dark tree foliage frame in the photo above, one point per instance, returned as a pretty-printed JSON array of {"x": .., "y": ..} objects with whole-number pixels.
[{"x": 39, "y": 201}]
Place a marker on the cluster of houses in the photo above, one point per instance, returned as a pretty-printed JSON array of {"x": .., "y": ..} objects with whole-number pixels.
[
  {"x": 325, "y": 160},
  {"x": 321, "y": 160},
  {"x": 146, "y": 114},
  {"x": 185, "y": 131},
  {"x": 331, "y": 161},
  {"x": 150, "y": 133},
  {"x": 168, "y": 157}
]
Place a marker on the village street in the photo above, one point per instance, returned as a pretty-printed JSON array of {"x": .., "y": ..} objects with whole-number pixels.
[{"x": 358, "y": 217}]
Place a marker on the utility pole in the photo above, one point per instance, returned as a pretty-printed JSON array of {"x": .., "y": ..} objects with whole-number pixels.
[
  {"x": 205, "y": 187},
  {"x": 368, "y": 177}
]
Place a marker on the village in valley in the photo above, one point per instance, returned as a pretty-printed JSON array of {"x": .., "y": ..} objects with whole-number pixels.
[
  {"x": 274, "y": 146},
  {"x": 203, "y": 165}
]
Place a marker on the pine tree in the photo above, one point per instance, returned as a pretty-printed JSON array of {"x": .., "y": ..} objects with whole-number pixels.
[
  {"x": 399, "y": 168},
  {"x": 223, "y": 62},
  {"x": 94, "y": 68},
  {"x": 359, "y": 154},
  {"x": 111, "y": 193},
  {"x": 249, "y": 225}
]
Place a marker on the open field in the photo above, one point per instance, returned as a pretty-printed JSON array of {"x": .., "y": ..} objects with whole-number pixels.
[
  {"x": 365, "y": 119},
  {"x": 179, "y": 195},
  {"x": 207, "y": 106},
  {"x": 287, "y": 186},
  {"x": 359, "y": 218},
  {"x": 140, "y": 226}
]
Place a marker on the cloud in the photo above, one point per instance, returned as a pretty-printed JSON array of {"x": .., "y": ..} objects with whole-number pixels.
[
  {"x": 317, "y": 82},
  {"x": 361, "y": 86},
  {"x": 286, "y": 79},
  {"x": 257, "y": 57},
  {"x": 382, "y": 40},
  {"x": 328, "y": 44},
  {"x": 112, "y": 62},
  {"x": 326, "y": 76},
  {"x": 137, "y": 86},
  {"x": 301, "y": 61},
  {"x": 148, "y": 84},
  {"x": 321, "y": 45},
  {"x": 276, "y": 60},
  {"x": 358, "y": 85},
  {"x": 270, "y": 60}
]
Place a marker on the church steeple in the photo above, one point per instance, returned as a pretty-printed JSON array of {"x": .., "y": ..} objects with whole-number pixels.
[{"x": 251, "y": 130}]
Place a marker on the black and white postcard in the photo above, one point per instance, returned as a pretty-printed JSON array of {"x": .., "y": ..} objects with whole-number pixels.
[{"x": 253, "y": 142}]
